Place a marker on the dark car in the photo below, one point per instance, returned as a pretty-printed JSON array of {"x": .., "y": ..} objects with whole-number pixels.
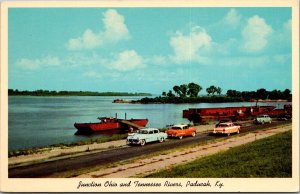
[{"x": 284, "y": 117}]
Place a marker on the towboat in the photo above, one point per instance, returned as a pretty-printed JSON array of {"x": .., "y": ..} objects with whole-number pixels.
[{"x": 110, "y": 123}]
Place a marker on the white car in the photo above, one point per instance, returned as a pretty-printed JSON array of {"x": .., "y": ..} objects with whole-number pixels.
[
  {"x": 146, "y": 135},
  {"x": 262, "y": 119}
]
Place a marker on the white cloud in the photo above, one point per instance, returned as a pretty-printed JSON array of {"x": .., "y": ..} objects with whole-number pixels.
[
  {"x": 281, "y": 40},
  {"x": 256, "y": 34},
  {"x": 92, "y": 74},
  {"x": 33, "y": 64},
  {"x": 114, "y": 31},
  {"x": 28, "y": 63},
  {"x": 115, "y": 27},
  {"x": 188, "y": 47},
  {"x": 88, "y": 40},
  {"x": 126, "y": 61},
  {"x": 232, "y": 17},
  {"x": 51, "y": 61}
]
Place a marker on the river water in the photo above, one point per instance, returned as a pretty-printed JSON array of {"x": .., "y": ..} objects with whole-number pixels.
[{"x": 42, "y": 121}]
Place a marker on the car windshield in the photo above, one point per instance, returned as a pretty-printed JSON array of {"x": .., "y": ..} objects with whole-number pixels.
[
  {"x": 176, "y": 127},
  {"x": 222, "y": 125},
  {"x": 262, "y": 116},
  {"x": 142, "y": 132}
]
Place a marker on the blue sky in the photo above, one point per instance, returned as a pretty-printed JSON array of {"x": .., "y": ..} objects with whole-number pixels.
[{"x": 149, "y": 49}]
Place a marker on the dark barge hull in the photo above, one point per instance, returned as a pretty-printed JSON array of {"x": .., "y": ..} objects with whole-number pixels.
[
  {"x": 198, "y": 115},
  {"x": 110, "y": 125}
]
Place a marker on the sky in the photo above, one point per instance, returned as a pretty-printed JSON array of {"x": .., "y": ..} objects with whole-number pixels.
[{"x": 149, "y": 49}]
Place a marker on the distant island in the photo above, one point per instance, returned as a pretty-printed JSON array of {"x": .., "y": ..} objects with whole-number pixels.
[
  {"x": 12, "y": 92},
  {"x": 189, "y": 93}
]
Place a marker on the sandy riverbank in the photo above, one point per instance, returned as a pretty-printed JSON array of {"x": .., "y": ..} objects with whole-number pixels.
[{"x": 58, "y": 152}]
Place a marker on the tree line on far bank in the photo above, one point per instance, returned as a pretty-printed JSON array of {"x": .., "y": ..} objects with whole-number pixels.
[
  {"x": 189, "y": 93},
  {"x": 12, "y": 92}
]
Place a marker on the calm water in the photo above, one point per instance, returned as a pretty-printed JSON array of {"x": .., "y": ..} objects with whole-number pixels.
[{"x": 41, "y": 121}]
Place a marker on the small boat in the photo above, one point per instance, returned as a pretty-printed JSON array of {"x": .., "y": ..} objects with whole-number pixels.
[
  {"x": 121, "y": 101},
  {"x": 110, "y": 123}
]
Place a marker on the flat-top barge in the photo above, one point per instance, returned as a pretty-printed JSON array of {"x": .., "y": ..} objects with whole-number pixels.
[
  {"x": 234, "y": 113},
  {"x": 110, "y": 123}
]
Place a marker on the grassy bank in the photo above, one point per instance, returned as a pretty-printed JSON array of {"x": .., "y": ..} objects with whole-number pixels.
[
  {"x": 28, "y": 151},
  {"x": 269, "y": 157},
  {"x": 65, "y": 145}
]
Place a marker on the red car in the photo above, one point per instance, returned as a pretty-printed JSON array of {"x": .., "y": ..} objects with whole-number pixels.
[{"x": 180, "y": 131}]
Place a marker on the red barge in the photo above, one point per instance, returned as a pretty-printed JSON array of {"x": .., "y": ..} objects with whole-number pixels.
[
  {"x": 110, "y": 123},
  {"x": 234, "y": 113}
]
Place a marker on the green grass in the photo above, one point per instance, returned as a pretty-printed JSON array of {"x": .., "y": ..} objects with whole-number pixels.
[
  {"x": 269, "y": 157},
  {"x": 65, "y": 145}
]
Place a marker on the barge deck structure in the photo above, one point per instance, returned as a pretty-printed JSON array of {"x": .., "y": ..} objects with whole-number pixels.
[
  {"x": 110, "y": 123},
  {"x": 197, "y": 115}
]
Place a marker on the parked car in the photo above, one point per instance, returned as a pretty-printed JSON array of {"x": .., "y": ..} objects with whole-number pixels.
[
  {"x": 225, "y": 128},
  {"x": 284, "y": 117},
  {"x": 146, "y": 135},
  {"x": 262, "y": 119},
  {"x": 180, "y": 131}
]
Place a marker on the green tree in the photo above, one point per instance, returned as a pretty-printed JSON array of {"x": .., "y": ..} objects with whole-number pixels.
[
  {"x": 287, "y": 93},
  {"x": 193, "y": 89},
  {"x": 10, "y": 91},
  {"x": 246, "y": 95},
  {"x": 177, "y": 90},
  {"x": 219, "y": 90},
  {"x": 262, "y": 93},
  {"x": 164, "y": 94},
  {"x": 170, "y": 94},
  {"x": 211, "y": 90},
  {"x": 183, "y": 89},
  {"x": 233, "y": 93},
  {"x": 276, "y": 94}
]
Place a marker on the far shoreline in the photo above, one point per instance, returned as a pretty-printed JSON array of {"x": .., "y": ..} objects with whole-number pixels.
[
  {"x": 196, "y": 100},
  {"x": 54, "y": 93}
]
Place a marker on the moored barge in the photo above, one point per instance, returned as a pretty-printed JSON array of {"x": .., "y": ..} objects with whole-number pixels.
[
  {"x": 109, "y": 123},
  {"x": 233, "y": 113}
]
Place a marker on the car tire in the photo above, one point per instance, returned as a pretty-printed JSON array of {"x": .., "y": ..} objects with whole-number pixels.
[
  {"x": 180, "y": 137},
  {"x": 193, "y": 134},
  {"x": 143, "y": 142},
  {"x": 161, "y": 139}
]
